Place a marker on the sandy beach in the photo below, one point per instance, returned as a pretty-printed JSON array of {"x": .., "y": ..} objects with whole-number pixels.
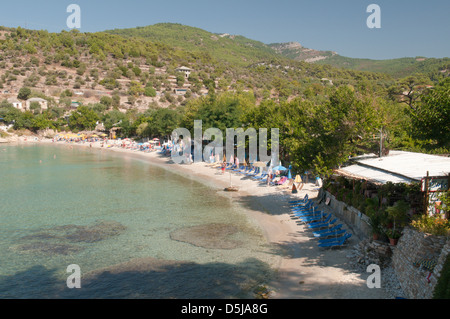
[{"x": 304, "y": 270}]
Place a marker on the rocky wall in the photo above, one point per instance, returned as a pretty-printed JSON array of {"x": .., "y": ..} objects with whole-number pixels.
[{"x": 418, "y": 259}]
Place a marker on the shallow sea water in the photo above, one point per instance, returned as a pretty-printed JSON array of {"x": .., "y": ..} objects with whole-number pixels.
[{"x": 136, "y": 230}]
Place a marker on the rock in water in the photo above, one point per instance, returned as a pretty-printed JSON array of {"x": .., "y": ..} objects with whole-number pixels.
[{"x": 215, "y": 236}]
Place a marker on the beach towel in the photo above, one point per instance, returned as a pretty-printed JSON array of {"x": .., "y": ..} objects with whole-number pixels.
[{"x": 282, "y": 181}]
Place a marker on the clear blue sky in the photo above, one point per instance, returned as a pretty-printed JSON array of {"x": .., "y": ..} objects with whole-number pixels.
[{"x": 408, "y": 27}]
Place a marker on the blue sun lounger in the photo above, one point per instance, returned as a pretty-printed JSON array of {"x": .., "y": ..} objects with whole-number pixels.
[
  {"x": 311, "y": 212},
  {"x": 299, "y": 201},
  {"x": 307, "y": 213},
  {"x": 246, "y": 170},
  {"x": 303, "y": 208},
  {"x": 318, "y": 225},
  {"x": 255, "y": 176},
  {"x": 317, "y": 233},
  {"x": 254, "y": 173},
  {"x": 316, "y": 218},
  {"x": 332, "y": 233},
  {"x": 334, "y": 242},
  {"x": 260, "y": 176},
  {"x": 309, "y": 202}
]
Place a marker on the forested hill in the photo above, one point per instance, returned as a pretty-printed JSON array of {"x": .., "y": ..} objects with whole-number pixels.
[
  {"x": 242, "y": 51},
  {"x": 237, "y": 50},
  {"x": 143, "y": 70},
  {"x": 435, "y": 69}
]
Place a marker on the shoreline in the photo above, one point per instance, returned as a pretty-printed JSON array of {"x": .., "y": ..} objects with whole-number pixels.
[{"x": 303, "y": 270}]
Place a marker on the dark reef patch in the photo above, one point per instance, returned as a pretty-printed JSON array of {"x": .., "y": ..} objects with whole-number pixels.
[
  {"x": 214, "y": 236},
  {"x": 62, "y": 240}
]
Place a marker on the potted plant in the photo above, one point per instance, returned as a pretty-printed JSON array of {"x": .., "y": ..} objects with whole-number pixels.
[
  {"x": 375, "y": 216},
  {"x": 393, "y": 235},
  {"x": 397, "y": 213},
  {"x": 375, "y": 222}
]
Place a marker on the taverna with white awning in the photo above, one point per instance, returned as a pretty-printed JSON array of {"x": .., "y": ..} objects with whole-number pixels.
[{"x": 397, "y": 167}]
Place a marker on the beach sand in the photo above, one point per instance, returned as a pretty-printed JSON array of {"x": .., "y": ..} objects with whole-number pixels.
[{"x": 304, "y": 270}]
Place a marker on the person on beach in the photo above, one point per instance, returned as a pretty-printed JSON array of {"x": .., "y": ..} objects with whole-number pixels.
[
  {"x": 224, "y": 164},
  {"x": 269, "y": 176}
]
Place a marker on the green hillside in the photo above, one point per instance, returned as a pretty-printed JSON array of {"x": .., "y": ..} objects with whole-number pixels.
[
  {"x": 142, "y": 70},
  {"x": 240, "y": 51},
  {"x": 237, "y": 50},
  {"x": 398, "y": 68}
]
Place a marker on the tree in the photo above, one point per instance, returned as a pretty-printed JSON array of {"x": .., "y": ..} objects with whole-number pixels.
[
  {"x": 106, "y": 101},
  {"x": 24, "y": 93},
  {"x": 431, "y": 118},
  {"x": 83, "y": 118},
  {"x": 42, "y": 121},
  {"x": 341, "y": 128},
  {"x": 409, "y": 90},
  {"x": 35, "y": 107},
  {"x": 163, "y": 122},
  {"x": 149, "y": 91},
  {"x": 180, "y": 79},
  {"x": 319, "y": 136}
]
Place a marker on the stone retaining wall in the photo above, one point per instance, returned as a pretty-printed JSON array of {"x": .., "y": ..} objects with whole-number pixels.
[
  {"x": 417, "y": 281},
  {"x": 355, "y": 220}
]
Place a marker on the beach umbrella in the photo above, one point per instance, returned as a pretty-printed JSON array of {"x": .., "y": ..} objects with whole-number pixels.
[
  {"x": 290, "y": 174},
  {"x": 279, "y": 168},
  {"x": 259, "y": 164},
  {"x": 298, "y": 179}
]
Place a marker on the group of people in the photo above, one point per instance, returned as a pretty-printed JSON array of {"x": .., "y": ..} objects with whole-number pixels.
[
  {"x": 105, "y": 142},
  {"x": 268, "y": 174}
]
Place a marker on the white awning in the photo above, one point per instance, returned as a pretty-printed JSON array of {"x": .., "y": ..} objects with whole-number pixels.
[
  {"x": 398, "y": 167},
  {"x": 372, "y": 174}
]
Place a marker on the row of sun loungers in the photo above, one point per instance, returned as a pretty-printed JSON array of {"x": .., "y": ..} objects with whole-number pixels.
[
  {"x": 323, "y": 226},
  {"x": 258, "y": 174}
]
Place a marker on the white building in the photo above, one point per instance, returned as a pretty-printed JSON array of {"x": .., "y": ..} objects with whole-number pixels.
[
  {"x": 185, "y": 70},
  {"x": 16, "y": 103},
  {"x": 43, "y": 103}
]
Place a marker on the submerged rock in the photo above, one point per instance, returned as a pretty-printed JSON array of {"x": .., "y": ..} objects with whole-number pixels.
[
  {"x": 214, "y": 236},
  {"x": 60, "y": 239},
  {"x": 47, "y": 248},
  {"x": 97, "y": 232},
  {"x": 75, "y": 233}
]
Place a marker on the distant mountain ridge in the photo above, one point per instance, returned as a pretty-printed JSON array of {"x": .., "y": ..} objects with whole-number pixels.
[
  {"x": 400, "y": 67},
  {"x": 296, "y": 51},
  {"x": 242, "y": 51}
]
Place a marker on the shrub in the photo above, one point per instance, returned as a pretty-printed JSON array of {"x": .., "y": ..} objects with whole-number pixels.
[
  {"x": 442, "y": 289},
  {"x": 149, "y": 91},
  {"x": 432, "y": 224},
  {"x": 24, "y": 93}
]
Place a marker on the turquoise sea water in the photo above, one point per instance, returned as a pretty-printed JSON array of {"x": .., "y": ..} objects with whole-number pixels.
[{"x": 136, "y": 230}]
